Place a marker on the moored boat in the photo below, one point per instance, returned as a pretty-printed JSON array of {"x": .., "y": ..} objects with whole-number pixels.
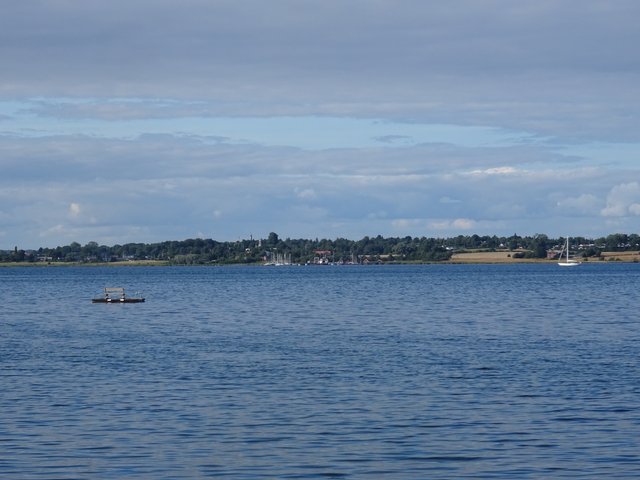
[{"x": 566, "y": 261}]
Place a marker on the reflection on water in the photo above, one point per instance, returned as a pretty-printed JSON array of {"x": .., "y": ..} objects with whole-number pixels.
[{"x": 523, "y": 371}]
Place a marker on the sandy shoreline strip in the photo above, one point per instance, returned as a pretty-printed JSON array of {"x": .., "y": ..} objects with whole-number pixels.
[{"x": 508, "y": 257}]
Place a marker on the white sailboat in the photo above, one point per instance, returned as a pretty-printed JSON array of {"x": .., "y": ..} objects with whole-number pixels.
[{"x": 566, "y": 261}]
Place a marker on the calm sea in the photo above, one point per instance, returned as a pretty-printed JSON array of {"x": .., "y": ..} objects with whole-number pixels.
[{"x": 385, "y": 372}]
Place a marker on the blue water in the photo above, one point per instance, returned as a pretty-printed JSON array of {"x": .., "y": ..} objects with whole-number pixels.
[{"x": 381, "y": 372}]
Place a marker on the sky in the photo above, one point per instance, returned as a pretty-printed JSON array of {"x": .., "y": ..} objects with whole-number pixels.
[{"x": 153, "y": 120}]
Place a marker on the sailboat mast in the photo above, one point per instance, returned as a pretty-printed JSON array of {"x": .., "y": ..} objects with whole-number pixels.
[{"x": 568, "y": 262}]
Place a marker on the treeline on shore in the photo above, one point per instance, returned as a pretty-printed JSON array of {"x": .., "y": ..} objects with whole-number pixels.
[{"x": 341, "y": 250}]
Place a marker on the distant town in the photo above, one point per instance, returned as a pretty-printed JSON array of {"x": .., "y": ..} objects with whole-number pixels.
[{"x": 273, "y": 250}]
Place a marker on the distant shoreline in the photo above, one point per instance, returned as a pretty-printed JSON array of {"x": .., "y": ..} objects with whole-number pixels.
[
  {"x": 473, "y": 258},
  {"x": 134, "y": 263}
]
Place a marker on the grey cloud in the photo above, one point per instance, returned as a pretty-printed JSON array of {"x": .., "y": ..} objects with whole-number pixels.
[
  {"x": 559, "y": 68},
  {"x": 81, "y": 158}
]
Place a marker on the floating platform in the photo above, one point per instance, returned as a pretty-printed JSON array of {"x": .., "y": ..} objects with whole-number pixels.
[
  {"x": 116, "y": 295},
  {"x": 117, "y": 300}
]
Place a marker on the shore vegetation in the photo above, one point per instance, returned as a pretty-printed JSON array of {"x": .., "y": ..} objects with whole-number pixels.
[{"x": 269, "y": 250}]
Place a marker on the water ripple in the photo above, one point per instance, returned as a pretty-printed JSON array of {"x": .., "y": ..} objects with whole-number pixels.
[{"x": 372, "y": 372}]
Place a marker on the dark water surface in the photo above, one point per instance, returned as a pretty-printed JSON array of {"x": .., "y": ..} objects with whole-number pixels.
[{"x": 388, "y": 372}]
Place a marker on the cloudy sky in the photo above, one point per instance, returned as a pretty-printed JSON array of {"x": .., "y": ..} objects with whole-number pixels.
[{"x": 152, "y": 120}]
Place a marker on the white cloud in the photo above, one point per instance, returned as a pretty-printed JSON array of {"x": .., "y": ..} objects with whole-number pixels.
[
  {"x": 377, "y": 215},
  {"x": 583, "y": 203},
  {"x": 305, "y": 193},
  {"x": 408, "y": 223},
  {"x": 457, "y": 224},
  {"x": 57, "y": 230},
  {"x": 495, "y": 171},
  {"x": 463, "y": 224},
  {"x": 623, "y": 199},
  {"x": 74, "y": 209}
]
